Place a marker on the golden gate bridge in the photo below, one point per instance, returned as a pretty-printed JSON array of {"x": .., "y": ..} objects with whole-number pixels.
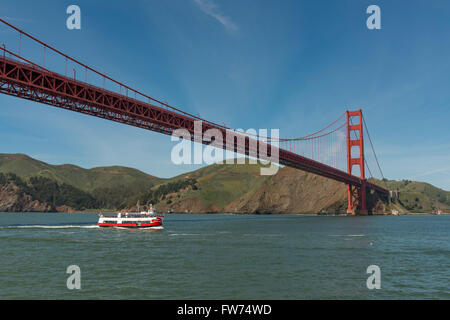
[{"x": 332, "y": 152}]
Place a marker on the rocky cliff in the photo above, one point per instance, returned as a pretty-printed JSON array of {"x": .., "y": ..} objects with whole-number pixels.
[{"x": 12, "y": 200}]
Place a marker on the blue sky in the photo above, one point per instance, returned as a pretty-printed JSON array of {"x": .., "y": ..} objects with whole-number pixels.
[{"x": 293, "y": 65}]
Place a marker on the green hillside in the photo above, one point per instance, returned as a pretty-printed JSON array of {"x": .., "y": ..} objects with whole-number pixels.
[
  {"x": 41, "y": 194},
  {"x": 84, "y": 179},
  {"x": 220, "y": 184},
  {"x": 216, "y": 188},
  {"x": 415, "y": 196}
]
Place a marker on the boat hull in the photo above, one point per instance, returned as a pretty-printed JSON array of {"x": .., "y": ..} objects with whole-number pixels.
[{"x": 130, "y": 225}]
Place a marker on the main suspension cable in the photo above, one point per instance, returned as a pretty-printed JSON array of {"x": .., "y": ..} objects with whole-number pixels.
[{"x": 373, "y": 149}]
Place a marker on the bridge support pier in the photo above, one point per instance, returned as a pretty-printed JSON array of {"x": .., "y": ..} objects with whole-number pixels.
[{"x": 357, "y": 204}]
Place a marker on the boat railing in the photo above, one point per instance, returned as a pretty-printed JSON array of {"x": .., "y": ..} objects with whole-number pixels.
[{"x": 133, "y": 215}]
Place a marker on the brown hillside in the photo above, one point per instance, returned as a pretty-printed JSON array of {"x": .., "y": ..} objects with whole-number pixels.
[{"x": 293, "y": 191}]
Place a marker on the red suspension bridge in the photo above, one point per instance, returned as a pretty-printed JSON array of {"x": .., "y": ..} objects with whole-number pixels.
[{"x": 332, "y": 152}]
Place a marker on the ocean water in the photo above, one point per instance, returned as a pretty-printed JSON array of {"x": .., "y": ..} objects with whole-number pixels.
[{"x": 224, "y": 256}]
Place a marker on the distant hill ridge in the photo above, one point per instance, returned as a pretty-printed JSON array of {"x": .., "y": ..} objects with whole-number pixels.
[
  {"x": 214, "y": 188},
  {"x": 84, "y": 179}
]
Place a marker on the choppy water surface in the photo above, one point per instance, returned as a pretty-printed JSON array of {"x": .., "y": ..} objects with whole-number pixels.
[{"x": 225, "y": 257}]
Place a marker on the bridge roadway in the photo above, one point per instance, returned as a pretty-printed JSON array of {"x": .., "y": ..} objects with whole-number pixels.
[{"x": 29, "y": 81}]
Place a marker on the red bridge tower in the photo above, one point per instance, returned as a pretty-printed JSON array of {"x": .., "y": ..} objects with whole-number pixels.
[{"x": 355, "y": 140}]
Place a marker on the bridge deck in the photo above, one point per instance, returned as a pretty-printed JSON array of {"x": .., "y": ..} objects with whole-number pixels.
[{"x": 32, "y": 82}]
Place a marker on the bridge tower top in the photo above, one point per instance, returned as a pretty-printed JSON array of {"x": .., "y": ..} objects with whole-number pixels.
[{"x": 355, "y": 139}]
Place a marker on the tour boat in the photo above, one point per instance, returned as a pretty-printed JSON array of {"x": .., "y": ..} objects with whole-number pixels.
[{"x": 143, "y": 219}]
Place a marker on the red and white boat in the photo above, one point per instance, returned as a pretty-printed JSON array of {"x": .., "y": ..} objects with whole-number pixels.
[{"x": 143, "y": 219}]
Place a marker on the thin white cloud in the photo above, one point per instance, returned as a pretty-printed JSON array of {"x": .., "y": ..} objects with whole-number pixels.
[{"x": 211, "y": 9}]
